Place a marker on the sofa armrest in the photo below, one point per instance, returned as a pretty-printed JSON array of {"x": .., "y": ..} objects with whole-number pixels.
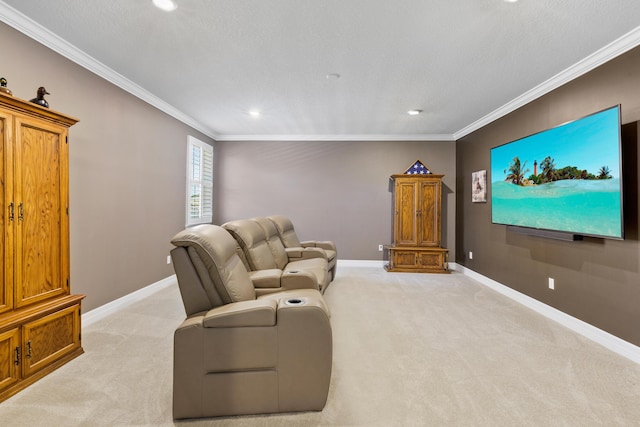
[
  {"x": 308, "y": 253},
  {"x": 242, "y": 314},
  {"x": 266, "y": 278},
  {"x": 299, "y": 279},
  {"x": 297, "y": 253},
  {"x": 326, "y": 244},
  {"x": 294, "y": 253}
]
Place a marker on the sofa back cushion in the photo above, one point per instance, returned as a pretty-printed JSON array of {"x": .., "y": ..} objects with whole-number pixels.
[
  {"x": 273, "y": 240},
  {"x": 253, "y": 241},
  {"x": 222, "y": 274}
]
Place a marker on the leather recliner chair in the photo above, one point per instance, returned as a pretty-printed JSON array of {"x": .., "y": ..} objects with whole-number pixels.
[
  {"x": 290, "y": 240},
  {"x": 237, "y": 353},
  {"x": 265, "y": 252}
]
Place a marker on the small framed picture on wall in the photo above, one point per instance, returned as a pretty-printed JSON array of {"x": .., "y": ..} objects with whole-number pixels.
[{"x": 479, "y": 186}]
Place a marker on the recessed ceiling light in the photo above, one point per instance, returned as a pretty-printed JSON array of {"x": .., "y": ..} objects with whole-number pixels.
[
  {"x": 414, "y": 112},
  {"x": 166, "y": 5},
  {"x": 332, "y": 76},
  {"x": 510, "y": 1},
  {"x": 254, "y": 113}
]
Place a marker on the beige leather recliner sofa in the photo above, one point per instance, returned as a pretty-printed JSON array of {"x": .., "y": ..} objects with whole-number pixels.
[
  {"x": 290, "y": 239},
  {"x": 237, "y": 353},
  {"x": 265, "y": 252}
]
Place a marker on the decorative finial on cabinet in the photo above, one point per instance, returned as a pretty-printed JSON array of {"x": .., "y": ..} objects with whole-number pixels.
[
  {"x": 40, "y": 98},
  {"x": 3, "y": 86}
]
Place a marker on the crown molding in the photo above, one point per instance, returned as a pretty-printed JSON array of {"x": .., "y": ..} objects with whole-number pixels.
[
  {"x": 32, "y": 29},
  {"x": 601, "y": 56},
  {"x": 347, "y": 137}
]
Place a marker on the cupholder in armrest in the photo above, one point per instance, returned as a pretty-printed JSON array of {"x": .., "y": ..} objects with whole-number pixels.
[
  {"x": 293, "y": 271},
  {"x": 295, "y": 301}
]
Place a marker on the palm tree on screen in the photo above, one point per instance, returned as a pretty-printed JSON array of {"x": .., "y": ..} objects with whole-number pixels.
[
  {"x": 604, "y": 173},
  {"x": 548, "y": 166},
  {"x": 517, "y": 171}
]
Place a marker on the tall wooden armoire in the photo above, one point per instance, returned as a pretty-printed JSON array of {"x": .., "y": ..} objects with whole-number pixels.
[
  {"x": 39, "y": 318},
  {"x": 417, "y": 217}
]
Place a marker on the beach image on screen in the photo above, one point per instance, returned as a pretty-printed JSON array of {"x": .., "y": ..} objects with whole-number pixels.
[{"x": 567, "y": 178}]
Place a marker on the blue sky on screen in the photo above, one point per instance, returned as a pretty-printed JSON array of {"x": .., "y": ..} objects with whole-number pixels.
[{"x": 588, "y": 143}]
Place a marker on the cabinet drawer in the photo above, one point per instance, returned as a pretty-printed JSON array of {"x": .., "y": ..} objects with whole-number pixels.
[{"x": 50, "y": 338}]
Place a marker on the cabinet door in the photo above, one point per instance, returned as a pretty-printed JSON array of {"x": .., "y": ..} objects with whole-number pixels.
[
  {"x": 9, "y": 358},
  {"x": 6, "y": 197},
  {"x": 429, "y": 229},
  {"x": 41, "y": 201},
  {"x": 404, "y": 259},
  {"x": 431, "y": 260},
  {"x": 406, "y": 212},
  {"x": 50, "y": 338}
]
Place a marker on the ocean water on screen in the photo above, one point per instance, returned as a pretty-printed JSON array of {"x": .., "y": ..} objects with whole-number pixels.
[{"x": 590, "y": 207}]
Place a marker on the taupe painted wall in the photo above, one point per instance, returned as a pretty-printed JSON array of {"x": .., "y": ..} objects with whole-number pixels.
[
  {"x": 331, "y": 190},
  {"x": 127, "y": 171},
  {"x": 596, "y": 280}
]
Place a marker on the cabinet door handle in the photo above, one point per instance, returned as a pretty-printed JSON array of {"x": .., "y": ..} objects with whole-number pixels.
[
  {"x": 17, "y": 360},
  {"x": 20, "y": 212},
  {"x": 11, "y": 213},
  {"x": 29, "y": 349}
]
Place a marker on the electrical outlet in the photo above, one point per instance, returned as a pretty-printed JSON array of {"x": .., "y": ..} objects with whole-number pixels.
[
  {"x": 552, "y": 283},
  {"x": 380, "y": 248},
  {"x": 470, "y": 255},
  {"x": 168, "y": 259}
]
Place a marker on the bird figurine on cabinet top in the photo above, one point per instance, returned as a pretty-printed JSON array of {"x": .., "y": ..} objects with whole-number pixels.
[
  {"x": 40, "y": 98},
  {"x": 3, "y": 86}
]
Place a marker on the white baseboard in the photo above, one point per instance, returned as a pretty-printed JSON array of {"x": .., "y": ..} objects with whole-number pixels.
[
  {"x": 103, "y": 311},
  {"x": 613, "y": 343}
]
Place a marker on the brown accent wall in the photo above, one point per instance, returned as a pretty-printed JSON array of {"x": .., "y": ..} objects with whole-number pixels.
[
  {"x": 331, "y": 190},
  {"x": 596, "y": 280},
  {"x": 127, "y": 171}
]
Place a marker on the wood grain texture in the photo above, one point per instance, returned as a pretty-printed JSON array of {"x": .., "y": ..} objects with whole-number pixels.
[
  {"x": 4, "y": 290},
  {"x": 49, "y": 338},
  {"x": 41, "y": 203},
  {"x": 9, "y": 371}
]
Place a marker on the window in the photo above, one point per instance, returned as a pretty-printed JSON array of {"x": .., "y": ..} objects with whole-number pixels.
[{"x": 199, "y": 182}]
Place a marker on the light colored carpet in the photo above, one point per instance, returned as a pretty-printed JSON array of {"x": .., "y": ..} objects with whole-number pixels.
[{"x": 409, "y": 350}]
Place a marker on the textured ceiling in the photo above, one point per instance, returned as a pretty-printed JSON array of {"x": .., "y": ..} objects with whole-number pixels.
[{"x": 457, "y": 60}]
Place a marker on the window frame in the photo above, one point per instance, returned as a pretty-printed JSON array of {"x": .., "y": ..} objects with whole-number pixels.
[{"x": 204, "y": 183}]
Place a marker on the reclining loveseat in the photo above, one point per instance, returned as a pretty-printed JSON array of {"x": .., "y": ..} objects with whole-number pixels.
[
  {"x": 290, "y": 239},
  {"x": 263, "y": 251},
  {"x": 239, "y": 353}
]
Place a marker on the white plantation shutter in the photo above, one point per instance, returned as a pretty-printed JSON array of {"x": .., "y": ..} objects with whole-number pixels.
[{"x": 199, "y": 182}]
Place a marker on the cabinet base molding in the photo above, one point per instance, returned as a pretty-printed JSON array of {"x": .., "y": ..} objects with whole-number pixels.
[{"x": 417, "y": 260}]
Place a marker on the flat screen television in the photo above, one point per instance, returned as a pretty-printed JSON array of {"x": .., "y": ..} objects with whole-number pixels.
[{"x": 565, "y": 179}]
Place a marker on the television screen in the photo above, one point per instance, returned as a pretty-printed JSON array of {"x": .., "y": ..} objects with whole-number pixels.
[{"x": 566, "y": 179}]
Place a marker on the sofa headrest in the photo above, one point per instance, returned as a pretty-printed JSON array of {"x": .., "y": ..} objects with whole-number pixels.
[
  {"x": 285, "y": 229},
  {"x": 213, "y": 249}
]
